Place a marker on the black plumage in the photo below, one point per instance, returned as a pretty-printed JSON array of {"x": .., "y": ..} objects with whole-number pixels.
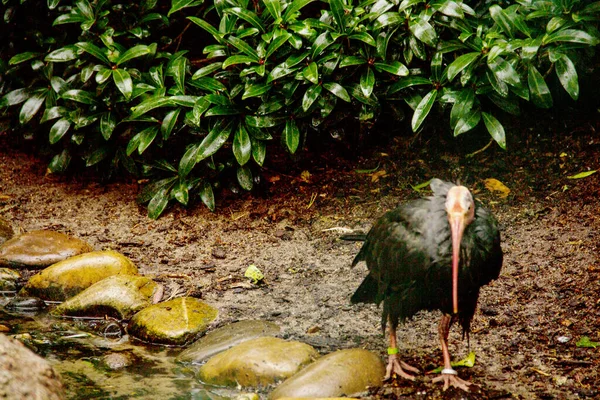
[{"x": 409, "y": 254}]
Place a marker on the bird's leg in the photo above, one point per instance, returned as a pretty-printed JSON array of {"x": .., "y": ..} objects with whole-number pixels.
[
  {"x": 395, "y": 365},
  {"x": 449, "y": 375}
]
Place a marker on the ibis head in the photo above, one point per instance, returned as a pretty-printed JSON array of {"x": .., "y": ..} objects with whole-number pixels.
[{"x": 460, "y": 208}]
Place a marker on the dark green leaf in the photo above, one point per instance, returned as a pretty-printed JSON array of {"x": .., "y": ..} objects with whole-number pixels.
[
  {"x": 97, "y": 155},
  {"x": 169, "y": 122},
  {"x": 244, "y": 48},
  {"x": 504, "y": 71},
  {"x": 540, "y": 94},
  {"x": 53, "y": 113},
  {"x": 102, "y": 75},
  {"x": 423, "y": 31},
  {"x": 277, "y": 43},
  {"x": 247, "y": 16},
  {"x": 567, "y": 74},
  {"x": 337, "y": 90},
  {"x": 311, "y": 94},
  {"x": 311, "y": 73},
  {"x": 451, "y": 9},
  {"x": 70, "y": 18},
  {"x": 188, "y": 161},
  {"x": 222, "y": 110},
  {"x": 58, "y": 130},
  {"x": 14, "y": 97},
  {"x": 108, "y": 121},
  {"x": 352, "y": 60},
  {"x": 509, "y": 104},
  {"x": 80, "y": 96},
  {"x": 388, "y": 19},
  {"x": 135, "y": 52},
  {"x": 394, "y": 67},
  {"x": 499, "y": 86},
  {"x": 63, "y": 54},
  {"x": 209, "y": 84},
  {"x": 571, "y": 35},
  {"x": 181, "y": 193},
  {"x": 158, "y": 203},
  {"x": 337, "y": 10},
  {"x": 60, "y": 162},
  {"x": 495, "y": 129},
  {"x": 423, "y": 109},
  {"x": 177, "y": 5},
  {"x": 237, "y": 59},
  {"x": 259, "y": 151},
  {"x": 466, "y": 124},
  {"x": 244, "y": 177},
  {"x": 213, "y": 141},
  {"x": 274, "y": 8},
  {"x": 22, "y": 57},
  {"x": 256, "y": 90},
  {"x": 178, "y": 70},
  {"x": 502, "y": 19},
  {"x": 322, "y": 41},
  {"x": 462, "y": 106},
  {"x": 263, "y": 121},
  {"x": 207, "y": 196},
  {"x": 150, "y": 104},
  {"x": 291, "y": 136},
  {"x": 367, "y": 82},
  {"x": 296, "y": 6},
  {"x": 123, "y": 82},
  {"x": 147, "y": 136},
  {"x": 241, "y": 145},
  {"x": 31, "y": 107},
  {"x": 461, "y": 63},
  {"x": 207, "y": 70},
  {"x": 94, "y": 50},
  {"x": 364, "y": 37}
]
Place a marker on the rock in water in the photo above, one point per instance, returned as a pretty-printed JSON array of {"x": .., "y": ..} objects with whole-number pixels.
[
  {"x": 257, "y": 362},
  {"x": 225, "y": 337},
  {"x": 174, "y": 322},
  {"x": 342, "y": 373},
  {"x": 39, "y": 249},
  {"x": 118, "y": 296},
  {"x": 8, "y": 279},
  {"x": 6, "y": 231},
  {"x": 25, "y": 375},
  {"x": 67, "y": 278}
]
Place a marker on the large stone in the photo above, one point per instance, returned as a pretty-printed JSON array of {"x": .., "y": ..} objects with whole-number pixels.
[
  {"x": 174, "y": 322},
  {"x": 39, "y": 249},
  {"x": 118, "y": 296},
  {"x": 6, "y": 231},
  {"x": 67, "y": 278},
  {"x": 257, "y": 362},
  {"x": 342, "y": 373},
  {"x": 26, "y": 376},
  {"x": 226, "y": 337}
]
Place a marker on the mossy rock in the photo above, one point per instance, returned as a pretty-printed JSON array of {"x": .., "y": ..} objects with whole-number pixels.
[
  {"x": 39, "y": 249},
  {"x": 67, "y": 278},
  {"x": 9, "y": 279},
  {"x": 6, "y": 231},
  {"x": 118, "y": 296},
  {"x": 174, "y": 322},
  {"x": 226, "y": 337},
  {"x": 258, "y": 362},
  {"x": 342, "y": 373}
]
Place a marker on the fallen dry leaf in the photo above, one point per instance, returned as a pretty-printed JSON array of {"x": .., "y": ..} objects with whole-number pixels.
[
  {"x": 379, "y": 174},
  {"x": 494, "y": 185}
]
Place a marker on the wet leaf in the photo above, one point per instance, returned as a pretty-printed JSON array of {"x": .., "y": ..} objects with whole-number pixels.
[
  {"x": 423, "y": 109},
  {"x": 244, "y": 177},
  {"x": 254, "y": 274},
  {"x": 494, "y": 185},
  {"x": 207, "y": 196},
  {"x": 582, "y": 175},
  {"x": 58, "y": 130},
  {"x": 586, "y": 342}
]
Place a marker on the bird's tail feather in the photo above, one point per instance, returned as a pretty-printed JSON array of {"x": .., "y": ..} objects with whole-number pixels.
[{"x": 366, "y": 292}]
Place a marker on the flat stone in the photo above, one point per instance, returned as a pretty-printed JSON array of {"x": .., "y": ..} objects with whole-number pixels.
[
  {"x": 257, "y": 362},
  {"x": 67, "y": 278},
  {"x": 8, "y": 279},
  {"x": 119, "y": 296},
  {"x": 174, "y": 322},
  {"x": 39, "y": 249},
  {"x": 24, "y": 375},
  {"x": 226, "y": 337},
  {"x": 342, "y": 373},
  {"x": 6, "y": 231}
]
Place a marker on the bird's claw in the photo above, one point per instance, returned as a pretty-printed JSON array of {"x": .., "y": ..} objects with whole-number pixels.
[
  {"x": 451, "y": 379},
  {"x": 398, "y": 367}
]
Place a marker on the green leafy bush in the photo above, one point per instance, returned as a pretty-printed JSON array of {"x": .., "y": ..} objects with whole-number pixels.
[{"x": 113, "y": 88}]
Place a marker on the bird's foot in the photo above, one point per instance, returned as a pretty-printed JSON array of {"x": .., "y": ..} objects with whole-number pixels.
[
  {"x": 398, "y": 367},
  {"x": 450, "y": 378}
]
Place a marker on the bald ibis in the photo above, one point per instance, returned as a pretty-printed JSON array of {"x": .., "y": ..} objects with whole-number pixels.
[{"x": 433, "y": 253}]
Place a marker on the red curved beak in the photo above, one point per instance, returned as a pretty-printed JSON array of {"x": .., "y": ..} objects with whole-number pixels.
[{"x": 457, "y": 227}]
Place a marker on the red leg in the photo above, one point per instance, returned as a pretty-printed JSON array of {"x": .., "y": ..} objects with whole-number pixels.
[
  {"x": 449, "y": 375},
  {"x": 395, "y": 365}
]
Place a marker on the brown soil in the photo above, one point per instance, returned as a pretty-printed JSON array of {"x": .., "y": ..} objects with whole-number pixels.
[{"x": 548, "y": 292}]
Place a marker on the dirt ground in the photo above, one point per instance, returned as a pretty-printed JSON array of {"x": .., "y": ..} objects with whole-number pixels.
[{"x": 529, "y": 320}]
